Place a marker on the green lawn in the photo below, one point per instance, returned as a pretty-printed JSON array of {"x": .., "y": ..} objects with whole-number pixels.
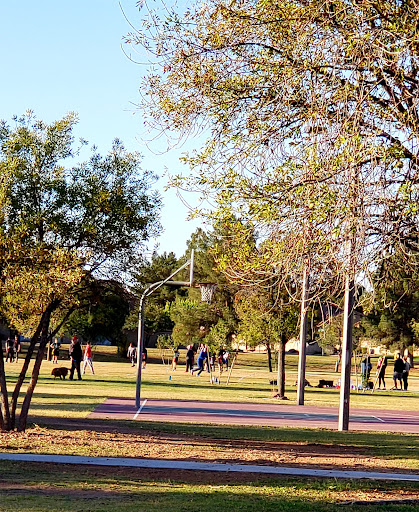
[
  {"x": 32, "y": 487},
  {"x": 249, "y": 383},
  {"x": 40, "y": 488}
]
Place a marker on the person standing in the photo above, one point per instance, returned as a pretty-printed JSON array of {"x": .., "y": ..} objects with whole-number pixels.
[
  {"x": 132, "y": 354},
  {"x": 399, "y": 367},
  {"x": 175, "y": 360},
  {"x": 16, "y": 348},
  {"x": 381, "y": 371},
  {"x": 88, "y": 358},
  {"x": 406, "y": 372},
  {"x": 76, "y": 355},
  {"x": 144, "y": 358},
  {"x": 55, "y": 345},
  {"x": 225, "y": 359},
  {"x": 9, "y": 350},
  {"x": 220, "y": 357},
  {"x": 190, "y": 356}
]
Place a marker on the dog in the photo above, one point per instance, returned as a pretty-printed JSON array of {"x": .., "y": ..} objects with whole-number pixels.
[{"x": 59, "y": 372}]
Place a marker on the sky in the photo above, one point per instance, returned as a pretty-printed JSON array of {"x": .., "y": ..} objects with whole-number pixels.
[{"x": 67, "y": 55}]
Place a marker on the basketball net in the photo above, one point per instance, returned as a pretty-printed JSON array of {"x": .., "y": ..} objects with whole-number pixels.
[{"x": 207, "y": 291}]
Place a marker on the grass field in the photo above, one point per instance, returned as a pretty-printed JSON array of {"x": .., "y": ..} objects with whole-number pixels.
[
  {"x": 58, "y": 425},
  {"x": 94, "y": 490},
  {"x": 249, "y": 383}
]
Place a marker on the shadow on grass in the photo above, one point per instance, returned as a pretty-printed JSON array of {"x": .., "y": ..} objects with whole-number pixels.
[
  {"x": 379, "y": 444},
  {"x": 48, "y": 487}
]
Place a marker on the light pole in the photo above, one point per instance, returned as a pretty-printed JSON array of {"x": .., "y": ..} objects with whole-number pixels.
[{"x": 152, "y": 288}]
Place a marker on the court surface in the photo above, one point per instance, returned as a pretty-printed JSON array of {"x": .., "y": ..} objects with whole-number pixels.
[{"x": 257, "y": 414}]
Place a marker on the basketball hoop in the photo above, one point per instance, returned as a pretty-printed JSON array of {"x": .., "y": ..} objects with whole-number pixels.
[{"x": 207, "y": 291}]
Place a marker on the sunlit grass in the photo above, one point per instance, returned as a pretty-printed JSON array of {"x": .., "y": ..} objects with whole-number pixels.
[
  {"x": 36, "y": 488},
  {"x": 249, "y": 382}
]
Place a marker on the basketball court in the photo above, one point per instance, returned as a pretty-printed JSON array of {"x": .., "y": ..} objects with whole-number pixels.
[{"x": 255, "y": 414}]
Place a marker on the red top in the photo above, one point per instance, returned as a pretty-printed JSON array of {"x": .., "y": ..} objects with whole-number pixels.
[{"x": 88, "y": 351}]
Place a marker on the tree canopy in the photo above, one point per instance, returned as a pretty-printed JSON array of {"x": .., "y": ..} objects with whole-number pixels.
[
  {"x": 312, "y": 115},
  {"x": 59, "y": 225}
]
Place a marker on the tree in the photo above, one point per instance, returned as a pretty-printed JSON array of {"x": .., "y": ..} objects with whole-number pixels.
[
  {"x": 313, "y": 123},
  {"x": 101, "y": 313},
  {"x": 156, "y": 317},
  {"x": 392, "y": 320},
  {"x": 196, "y": 320},
  {"x": 59, "y": 226}
]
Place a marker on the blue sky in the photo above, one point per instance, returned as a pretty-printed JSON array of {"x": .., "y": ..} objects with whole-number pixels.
[{"x": 66, "y": 55}]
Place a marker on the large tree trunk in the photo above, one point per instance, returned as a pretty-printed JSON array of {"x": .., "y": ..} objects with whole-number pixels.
[
  {"x": 23, "y": 417},
  {"x": 4, "y": 409},
  {"x": 281, "y": 368},
  {"x": 303, "y": 338},
  {"x": 23, "y": 371}
]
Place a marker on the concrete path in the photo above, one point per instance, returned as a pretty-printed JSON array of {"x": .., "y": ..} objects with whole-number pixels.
[
  {"x": 205, "y": 466},
  {"x": 282, "y": 414}
]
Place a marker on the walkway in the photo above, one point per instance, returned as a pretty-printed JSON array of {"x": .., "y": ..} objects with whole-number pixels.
[{"x": 205, "y": 466}]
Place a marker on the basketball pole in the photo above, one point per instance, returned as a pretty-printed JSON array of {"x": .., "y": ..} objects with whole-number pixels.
[{"x": 147, "y": 292}]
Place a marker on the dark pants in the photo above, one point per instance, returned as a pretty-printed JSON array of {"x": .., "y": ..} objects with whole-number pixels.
[
  {"x": 75, "y": 365},
  {"x": 200, "y": 363},
  {"x": 10, "y": 355},
  {"x": 189, "y": 364},
  {"x": 405, "y": 376},
  {"x": 381, "y": 379}
]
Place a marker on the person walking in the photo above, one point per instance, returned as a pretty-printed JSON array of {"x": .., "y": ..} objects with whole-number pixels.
[
  {"x": 381, "y": 371},
  {"x": 132, "y": 354},
  {"x": 88, "y": 358},
  {"x": 406, "y": 372},
  {"x": 225, "y": 359},
  {"x": 220, "y": 358},
  {"x": 76, "y": 356},
  {"x": 398, "y": 370}
]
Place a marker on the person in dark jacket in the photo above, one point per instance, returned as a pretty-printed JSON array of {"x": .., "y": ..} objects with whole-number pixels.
[
  {"x": 76, "y": 356},
  {"x": 10, "y": 353},
  {"x": 190, "y": 356},
  {"x": 399, "y": 368}
]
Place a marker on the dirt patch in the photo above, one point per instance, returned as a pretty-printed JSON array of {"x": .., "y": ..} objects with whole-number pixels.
[{"x": 90, "y": 439}]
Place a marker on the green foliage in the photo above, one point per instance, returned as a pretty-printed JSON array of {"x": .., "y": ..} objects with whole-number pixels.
[
  {"x": 59, "y": 226},
  {"x": 156, "y": 317},
  {"x": 192, "y": 319},
  {"x": 392, "y": 322},
  {"x": 265, "y": 320},
  {"x": 311, "y": 128},
  {"x": 165, "y": 342},
  {"x": 101, "y": 315},
  {"x": 331, "y": 333}
]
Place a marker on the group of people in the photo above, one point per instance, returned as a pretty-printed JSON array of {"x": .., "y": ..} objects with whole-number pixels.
[
  {"x": 77, "y": 355},
  {"x": 401, "y": 370},
  {"x": 205, "y": 360},
  {"x": 13, "y": 348},
  {"x": 132, "y": 355}
]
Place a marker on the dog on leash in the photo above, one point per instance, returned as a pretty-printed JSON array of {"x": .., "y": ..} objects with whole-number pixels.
[{"x": 59, "y": 372}]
